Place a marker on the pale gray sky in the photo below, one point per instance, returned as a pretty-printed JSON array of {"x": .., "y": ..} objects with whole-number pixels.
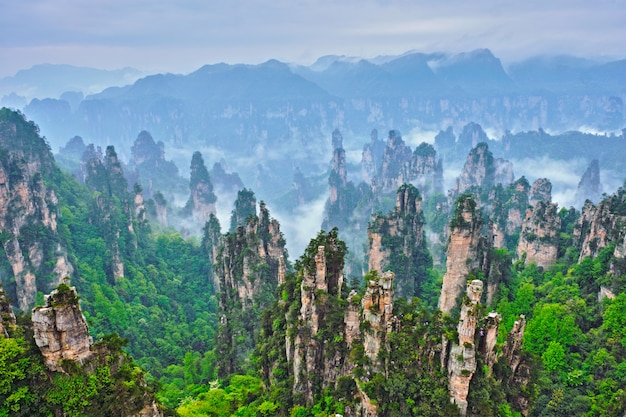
[{"x": 182, "y": 35}]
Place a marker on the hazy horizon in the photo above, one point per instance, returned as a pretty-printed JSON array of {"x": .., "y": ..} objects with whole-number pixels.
[{"x": 181, "y": 37}]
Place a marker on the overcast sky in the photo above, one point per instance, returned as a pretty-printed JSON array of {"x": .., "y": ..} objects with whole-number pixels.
[{"x": 182, "y": 35}]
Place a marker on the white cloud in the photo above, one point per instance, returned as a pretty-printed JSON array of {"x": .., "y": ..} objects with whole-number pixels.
[{"x": 302, "y": 225}]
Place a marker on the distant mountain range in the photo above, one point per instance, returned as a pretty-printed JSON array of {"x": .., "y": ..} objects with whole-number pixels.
[
  {"x": 52, "y": 80},
  {"x": 285, "y": 113}
]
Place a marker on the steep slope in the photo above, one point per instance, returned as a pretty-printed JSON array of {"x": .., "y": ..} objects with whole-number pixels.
[{"x": 31, "y": 245}]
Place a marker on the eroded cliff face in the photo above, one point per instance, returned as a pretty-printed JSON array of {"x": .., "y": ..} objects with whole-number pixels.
[
  {"x": 111, "y": 198},
  {"x": 508, "y": 210},
  {"x": 28, "y": 216},
  {"x": 202, "y": 199},
  {"x": 60, "y": 329},
  {"x": 424, "y": 170},
  {"x": 479, "y": 171},
  {"x": 490, "y": 334},
  {"x": 338, "y": 178},
  {"x": 397, "y": 242},
  {"x": 465, "y": 251},
  {"x": 601, "y": 226},
  {"x": 462, "y": 359},
  {"x": 590, "y": 187},
  {"x": 400, "y": 165},
  {"x": 377, "y": 307},
  {"x": 520, "y": 376},
  {"x": 240, "y": 255},
  {"x": 540, "y": 191},
  {"x": 248, "y": 266},
  {"x": 371, "y": 158},
  {"x": 539, "y": 238},
  {"x": 396, "y": 155},
  {"x": 320, "y": 281},
  {"x": 61, "y": 334}
]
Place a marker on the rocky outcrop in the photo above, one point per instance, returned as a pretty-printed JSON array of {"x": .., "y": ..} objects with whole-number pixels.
[
  {"x": 201, "y": 203},
  {"x": 321, "y": 280},
  {"x": 150, "y": 167},
  {"x": 399, "y": 166},
  {"x": 340, "y": 209},
  {"x": 539, "y": 238},
  {"x": 465, "y": 251},
  {"x": 377, "y": 306},
  {"x": 462, "y": 360},
  {"x": 508, "y": 210},
  {"x": 28, "y": 217},
  {"x": 395, "y": 158},
  {"x": 211, "y": 241},
  {"x": 540, "y": 191},
  {"x": 339, "y": 177},
  {"x": 520, "y": 376},
  {"x": 352, "y": 319},
  {"x": 424, "y": 170},
  {"x": 471, "y": 135},
  {"x": 61, "y": 334},
  {"x": 60, "y": 329},
  {"x": 371, "y": 158},
  {"x": 249, "y": 265},
  {"x": 512, "y": 350},
  {"x": 590, "y": 187},
  {"x": 240, "y": 256},
  {"x": 479, "y": 171},
  {"x": 601, "y": 226},
  {"x": 489, "y": 335},
  {"x": 397, "y": 242},
  {"x": 245, "y": 207},
  {"x": 105, "y": 218}
]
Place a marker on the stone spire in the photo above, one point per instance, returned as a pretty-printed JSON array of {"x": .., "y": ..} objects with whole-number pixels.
[
  {"x": 464, "y": 251},
  {"x": 462, "y": 361}
]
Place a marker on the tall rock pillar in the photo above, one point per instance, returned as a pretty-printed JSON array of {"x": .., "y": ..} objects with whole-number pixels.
[{"x": 462, "y": 362}]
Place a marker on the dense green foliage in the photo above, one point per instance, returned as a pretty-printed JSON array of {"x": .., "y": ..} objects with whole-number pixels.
[
  {"x": 109, "y": 384},
  {"x": 573, "y": 340},
  {"x": 572, "y": 363}
]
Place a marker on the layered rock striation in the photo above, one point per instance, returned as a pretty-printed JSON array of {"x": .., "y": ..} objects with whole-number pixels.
[
  {"x": 60, "y": 329},
  {"x": 28, "y": 212},
  {"x": 465, "y": 252},
  {"x": 539, "y": 237},
  {"x": 601, "y": 226},
  {"x": 462, "y": 360},
  {"x": 248, "y": 266}
]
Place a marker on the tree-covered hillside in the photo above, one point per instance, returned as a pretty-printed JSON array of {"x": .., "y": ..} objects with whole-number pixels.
[{"x": 226, "y": 326}]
